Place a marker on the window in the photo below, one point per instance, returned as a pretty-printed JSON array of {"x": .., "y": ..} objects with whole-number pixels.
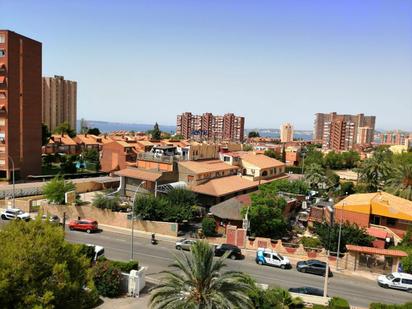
[
  {"x": 2, "y": 52},
  {"x": 2, "y": 122},
  {"x": 226, "y": 159},
  {"x": 2, "y": 95},
  {"x": 407, "y": 281},
  {"x": 396, "y": 280},
  {"x": 2, "y": 162},
  {"x": 391, "y": 221},
  {"x": 266, "y": 255},
  {"x": 2, "y": 38}
]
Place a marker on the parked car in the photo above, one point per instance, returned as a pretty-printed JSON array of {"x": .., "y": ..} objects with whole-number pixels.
[
  {"x": 53, "y": 219},
  {"x": 307, "y": 290},
  {"x": 98, "y": 252},
  {"x": 88, "y": 225},
  {"x": 272, "y": 258},
  {"x": 235, "y": 252},
  {"x": 313, "y": 266},
  {"x": 14, "y": 214},
  {"x": 184, "y": 244},
  {"x": 400, "y": 281}
]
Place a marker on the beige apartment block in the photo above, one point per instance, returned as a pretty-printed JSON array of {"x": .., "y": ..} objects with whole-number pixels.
[
  {"x": 59, "y": 102},
  {"x": 286, "y": 133}
]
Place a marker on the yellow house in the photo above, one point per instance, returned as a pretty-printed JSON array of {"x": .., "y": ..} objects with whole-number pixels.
[{"x": 260, "y": 167}]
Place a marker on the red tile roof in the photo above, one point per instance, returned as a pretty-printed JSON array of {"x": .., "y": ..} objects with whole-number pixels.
[
  {"x": 376, "y": 232},
  {"x": 139, "y": 174},
  {"x": 370, "y": 250}
]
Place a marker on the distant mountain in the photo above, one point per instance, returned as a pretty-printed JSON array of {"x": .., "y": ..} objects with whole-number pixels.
[{"x": 107, "y": 127}]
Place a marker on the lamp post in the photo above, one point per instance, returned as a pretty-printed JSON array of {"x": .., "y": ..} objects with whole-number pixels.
[
  {"x": 14, "y": 184},
  {"x": 134, "y": 199},
  {"x": 325, "y": 284},
  {"x": 340, "y": 233}
]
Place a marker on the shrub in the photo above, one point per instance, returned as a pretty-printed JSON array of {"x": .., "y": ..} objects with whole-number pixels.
[
  {"x": 338, "y": 303},
  {"x": 391, "y": 306},
  {"x": 126, "y": 267},
  {"x": 107, "y": 279},
  {"x": 310, "y": 242},
  {"x": 103, "y": 201},
  {"x": 56, "y": 188},
  {"x": 209, "y": 226}
]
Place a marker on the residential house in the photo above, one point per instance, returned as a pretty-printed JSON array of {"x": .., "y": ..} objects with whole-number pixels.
[
  {"x": 260, "y": 167},
  {"x": 60, "y": 143},
  {"x": 117, "y": 155}
]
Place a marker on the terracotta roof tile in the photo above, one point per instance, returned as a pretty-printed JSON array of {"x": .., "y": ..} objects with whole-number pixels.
[
  {"x": 225, "y": 185},
  {"x": 370, "y": 250},
  {"x": 260, "y": 160},
  {"x": 139, "y": 174},
  {"x": 207, "y": 166}
]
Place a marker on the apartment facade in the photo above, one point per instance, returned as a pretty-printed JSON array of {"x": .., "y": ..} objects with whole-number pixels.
[
  {"x": 210, "y": 127},
  {"x": 286, "y": 133},
  {"x": 342, "y": 132},
  {"x": 20, "y": 104},
  {"x": 394, "y": 138},
  {"x": 59, "y": 102}
]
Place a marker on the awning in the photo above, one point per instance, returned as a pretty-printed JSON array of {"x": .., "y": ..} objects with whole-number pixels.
[{"x": 370, "y": 250}]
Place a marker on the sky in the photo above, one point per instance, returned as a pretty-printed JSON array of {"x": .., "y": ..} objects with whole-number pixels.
[{"x": 271, "y": 61}]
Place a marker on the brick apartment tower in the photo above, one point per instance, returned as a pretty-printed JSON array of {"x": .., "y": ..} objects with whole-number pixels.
[
  {"x": 344, "y": 130},
  {"x": 209, "y": 127},
  {"x": 20, "y": 102},
  {"x": 59, "y": 103}
]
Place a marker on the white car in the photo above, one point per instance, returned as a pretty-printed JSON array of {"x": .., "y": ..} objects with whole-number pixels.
[
  {"x": 14, "y": 214},
  {"x": 184, "y": 244},
  {"x": 400, "y": 281},
  {"x": 272, "y": 258}
]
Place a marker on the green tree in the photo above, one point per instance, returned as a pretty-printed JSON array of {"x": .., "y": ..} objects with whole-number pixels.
[
  {"x": 351, "y": 234},
  {"x": 68, "y": 164},
  {"x": 156, "y": 133},
  {"x": 107, "y": 279},
  {"x": 92, "y": 156},
  {"x": 178, "y": 137},
  {"x": 247, "y": 147},
  {"x": 374, "y": 172},
  {"x": 45, "y": 134},
  {"x": 253, "y": 134},
  {"x": 55, "y": 190},
  {"x": 199, "y": 282},
  {"x": 347, "y": 188},
  {"x": 104, "y": 201},
  {"x": 94, "y": 131},
  {"x": 64, "y": 128},
  {"x": 333, "y": 160},
  {"x": 266, "y": 215},
  {"x": 350, "y": 158},
  {"x": 312, "y": 155},
  {"x": 315, "y": 176},
  {"x": 209, "y": 226},
  {"x": 39, "y": 269},
  {"x": 272, "y": 154},
  {"x": 285, "y": 185},
  {"x": 400, "y": 182}
]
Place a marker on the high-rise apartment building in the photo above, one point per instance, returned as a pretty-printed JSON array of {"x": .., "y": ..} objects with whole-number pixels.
[
  {"x": 364, "y": 136},
  {"x": 342, "y": 132},
  {"x": 286, "y": 133},
  {"x": 59, "y": 102},
  {"x": 394, "y": 138},
  {"x": 20, "y": 105},
  {"x": 210, "y": 127}
]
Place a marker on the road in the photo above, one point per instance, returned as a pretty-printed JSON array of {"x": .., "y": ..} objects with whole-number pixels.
[{"x": 358, "y": 291}]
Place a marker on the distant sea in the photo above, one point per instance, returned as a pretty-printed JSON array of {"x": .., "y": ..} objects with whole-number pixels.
[{"x": 107, "y": 127}]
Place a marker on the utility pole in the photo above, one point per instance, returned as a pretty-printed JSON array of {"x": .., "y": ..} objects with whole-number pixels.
[{"x": 133, "y": 217}]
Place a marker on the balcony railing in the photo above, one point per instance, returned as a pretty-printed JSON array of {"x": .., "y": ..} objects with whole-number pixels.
[{"x": 148, "y": 156}]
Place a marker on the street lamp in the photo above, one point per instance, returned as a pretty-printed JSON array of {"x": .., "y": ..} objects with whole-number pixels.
[
  {"x": 340, "y": 233},
  {"x": 14, "y": 184},
  {"x": 134, "y": 199},
  {"x": 325, "y": 284}
]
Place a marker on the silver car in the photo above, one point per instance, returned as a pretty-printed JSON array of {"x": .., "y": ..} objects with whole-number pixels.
[{"x": 184, "y": 244}]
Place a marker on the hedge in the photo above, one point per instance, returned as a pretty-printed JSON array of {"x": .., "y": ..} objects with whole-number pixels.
[
  {"x": 338, "y": 303},
  {"x": 385, "y": 306}
]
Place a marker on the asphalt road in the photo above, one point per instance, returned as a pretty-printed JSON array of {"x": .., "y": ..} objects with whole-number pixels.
[{"x": 358, "y": 291}]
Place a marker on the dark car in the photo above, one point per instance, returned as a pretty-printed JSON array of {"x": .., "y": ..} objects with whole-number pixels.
[
  {"x": 88, "y": 225},
  {"x": 313, "y": 267},
  {"x": 234, "y": 254},
  {"x": 307, "y": 290}
]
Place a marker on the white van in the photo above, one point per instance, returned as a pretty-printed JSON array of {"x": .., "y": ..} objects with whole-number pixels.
[
  {"x": 272, "y": 258},
  {"x": 400, "y": 281}
]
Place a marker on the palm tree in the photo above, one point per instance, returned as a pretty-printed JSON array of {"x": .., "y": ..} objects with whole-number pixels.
[
  {"x": 374, "y": 172},
  {"x": 400, "y": 183},
  {"x": 315, "y": 175},
  {"x": 199, "y": 283}
]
